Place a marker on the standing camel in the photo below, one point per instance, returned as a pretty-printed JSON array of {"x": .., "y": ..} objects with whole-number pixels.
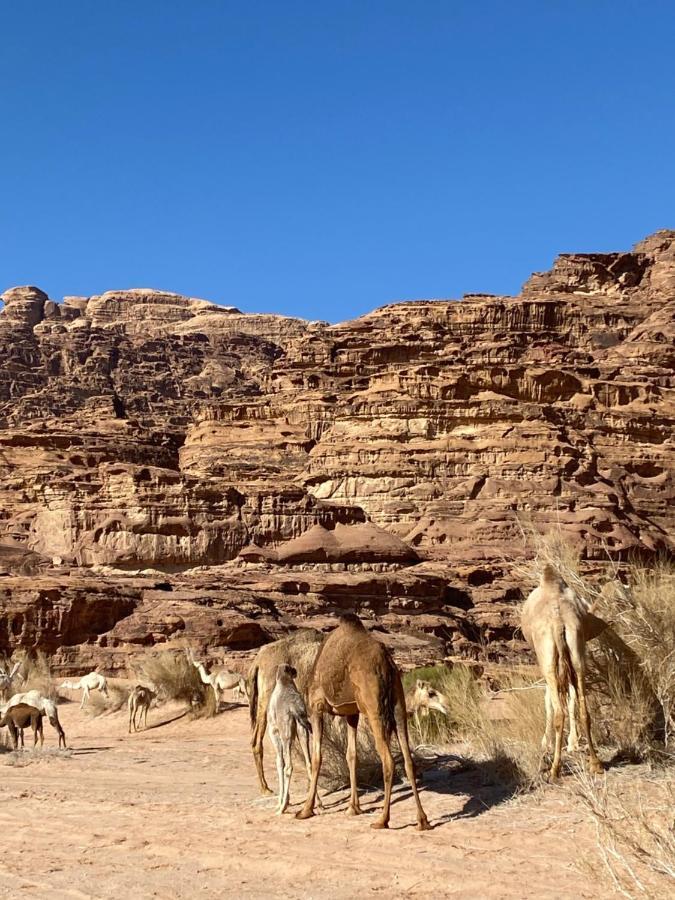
[
  {"x": 46, "y": 707},
  {"x": 220, "y": 680},
  {"x": 18, "y": 717},
  {"x": 139, "y": 702},
  {"x": 287, "y": 715},
  {"x": 556, "y": 624},
  {"x": 88, "y": 683},
  {"x": 353, "y": 675},
  {"x": 298, "y": 650}
]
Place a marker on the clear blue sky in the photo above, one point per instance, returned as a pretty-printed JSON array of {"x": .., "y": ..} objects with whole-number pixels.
[{"x": 321, "y": 159}]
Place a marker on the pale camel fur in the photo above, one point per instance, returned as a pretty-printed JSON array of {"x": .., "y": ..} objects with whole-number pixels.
[
  {"x": 298, "y": 650},
  {"x": 423, "y": 698},
  {"x": 46, "y": 707},
  {"x": 287, "y": 717},
  {"x": 557, "y": 626},
  {"x": 88, "y": 683},
  {"x": 220, "y": 680},
  {"x": 139, "y": 702},
  {"x": 7, "y": 677},
  {"x": 353, "y": 675}
]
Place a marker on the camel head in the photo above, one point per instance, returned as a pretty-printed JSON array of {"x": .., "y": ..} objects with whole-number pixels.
[
  {"x": 286, "y": 673},
  {"x": 425, "y": 697}
]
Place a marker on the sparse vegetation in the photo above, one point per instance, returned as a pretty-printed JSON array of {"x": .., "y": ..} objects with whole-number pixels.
[
  {"x": 635, "y": 832},
  {"x": 177, "y": 678},
  {"x": 642, "y": 616}
]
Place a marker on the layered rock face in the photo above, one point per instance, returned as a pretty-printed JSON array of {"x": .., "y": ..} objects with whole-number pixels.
[{"x": 175, "y": 470}]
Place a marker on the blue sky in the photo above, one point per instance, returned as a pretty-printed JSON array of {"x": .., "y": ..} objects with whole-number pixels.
[{"x": 321, "y": 159}]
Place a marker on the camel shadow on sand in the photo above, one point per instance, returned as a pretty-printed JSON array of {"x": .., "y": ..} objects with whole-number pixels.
[{"x": 481, "y": 785}]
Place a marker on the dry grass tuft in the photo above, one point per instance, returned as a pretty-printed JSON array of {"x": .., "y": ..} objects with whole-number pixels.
[
  {"x": 642, "y": 616},
  {"x": 175, "y": 676},
  {"x": 635, "y": 833},
  {"x": 34, "y": 673},
  {"x": 99, "y": 705}
]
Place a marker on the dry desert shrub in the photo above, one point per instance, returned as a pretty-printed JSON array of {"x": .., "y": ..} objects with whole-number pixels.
[
  {"x": 177, "y": 679},
  {"x": 642, "y": 616},
  {"x": 635, "y": 832},
  {"x": 463, "y": 695},
  {"x": 34, "y": 673},
  {"x": 99, "y": 705}
]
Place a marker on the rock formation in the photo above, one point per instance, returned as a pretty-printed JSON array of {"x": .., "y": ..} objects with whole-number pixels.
[{"x": 172, "y": 469}]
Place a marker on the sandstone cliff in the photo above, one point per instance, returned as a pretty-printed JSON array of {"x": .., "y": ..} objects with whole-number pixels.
[{"x": 174, "y": 469}]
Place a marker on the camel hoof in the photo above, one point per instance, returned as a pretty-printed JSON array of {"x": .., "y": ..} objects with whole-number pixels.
[
  {"x": 379, "y": 824},
  {"x": 423, "y": 824},
  {"x": 354, "y": 811},
  {"x": 304, "y": 814},
  {"x": 265, "y": 791},
  {"x": 595, "y": 767}
]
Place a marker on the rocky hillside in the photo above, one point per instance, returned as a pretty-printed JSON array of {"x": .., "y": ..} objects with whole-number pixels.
[{"x": 173, "y": 469}]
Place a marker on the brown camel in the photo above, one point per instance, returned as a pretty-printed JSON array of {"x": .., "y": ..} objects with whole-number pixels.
[
  {"x": 557, "y": 625},
  {"x": 298, "y": 650},
  {"x": 18, "y": 717},
  {"x": 353, "y": 675}
]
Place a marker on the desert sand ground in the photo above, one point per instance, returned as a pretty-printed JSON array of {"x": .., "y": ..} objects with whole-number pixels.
[{"x": 175, "y": 812}]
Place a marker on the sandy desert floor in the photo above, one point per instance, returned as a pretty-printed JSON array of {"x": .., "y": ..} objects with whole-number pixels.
[{"x": 175, "y": 812}]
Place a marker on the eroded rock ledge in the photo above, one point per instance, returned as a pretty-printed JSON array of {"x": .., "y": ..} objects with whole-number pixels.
[{"x": 172, "y": 469}]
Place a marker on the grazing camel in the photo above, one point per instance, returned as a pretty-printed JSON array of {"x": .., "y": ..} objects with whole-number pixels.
[
  {"x": 354, "y": 674},
  {"x": 298, "y": 650},
  {"x": 6, "y": 680},
  {"x": 423, "y": 698},
  {"x": 18, "y": 717},
  {"x": 287, "y": 715},
  {"x": 557, "y": 625},
  {"x": 46, "y": 707},
  {"x": 220, "y": 680},
  {"x": 139, "y": 702},
  {"x": 88, "y": 683}
]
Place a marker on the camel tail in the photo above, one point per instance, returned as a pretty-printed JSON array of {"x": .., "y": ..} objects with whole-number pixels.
[
  {"x": 565, "y": 674},
  {"x": 252, "y": 685},
  {"x": 387, "y": 702}
]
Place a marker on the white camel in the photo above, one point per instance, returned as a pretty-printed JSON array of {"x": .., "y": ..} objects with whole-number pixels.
[
  {"x": 6, "y": 680},
  {"x": 88, "y": 683},
  {"x": 287, "y": 716},
  {"x": 44, "y": 705},
  {"x": 557, "y": 626},
  {"x": 220, "y": 679}
]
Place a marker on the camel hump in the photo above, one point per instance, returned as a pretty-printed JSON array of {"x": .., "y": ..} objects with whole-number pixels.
[{"x": 350, "y": 620}]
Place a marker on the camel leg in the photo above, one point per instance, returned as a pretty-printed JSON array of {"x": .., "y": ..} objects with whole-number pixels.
[
  {"x": 303, "y": 738},
  {"x": 384, "y": 752},
  {"x": 317, "y": 734},
  {"x": 257, "y": 744},
  {"x": 131, "y": 714},
  {"x": 354, "y": 808},
  {"x": 573, "y": 737},
  {"x": 547, "y": 739},
  {"x": 85, "y": 697},
  {"x": 145, "y": 718},
  {"x": 594, "y": 763},
  {"x": 558, "y": 722},
  {"x": 288, "y": 771},
  {"x": 279, "y": 752},
  {"x": 402, "y": 734}
]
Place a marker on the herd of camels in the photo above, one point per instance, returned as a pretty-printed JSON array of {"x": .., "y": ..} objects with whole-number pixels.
[{"x": 296, "y": 681}]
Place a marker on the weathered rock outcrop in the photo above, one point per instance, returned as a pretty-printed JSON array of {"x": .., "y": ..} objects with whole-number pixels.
[{"x": 265, "y": 469}]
